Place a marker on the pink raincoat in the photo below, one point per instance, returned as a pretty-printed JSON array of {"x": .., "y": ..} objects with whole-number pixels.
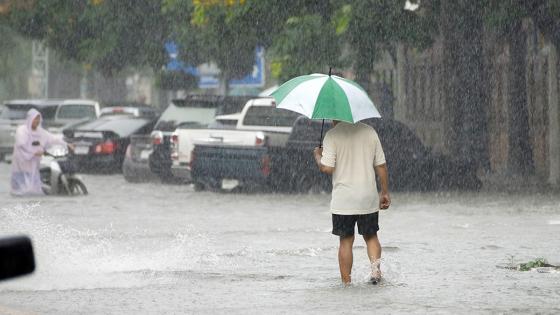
[{"x": 26, "y": 179}]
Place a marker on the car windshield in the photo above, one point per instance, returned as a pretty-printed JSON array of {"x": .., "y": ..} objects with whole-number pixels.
[
  {"x": 76, "y": 111},
  {"x": 19, "y": 111},
  {"x": 184, "y": 116},
  {"x": 269, "y": 116}
]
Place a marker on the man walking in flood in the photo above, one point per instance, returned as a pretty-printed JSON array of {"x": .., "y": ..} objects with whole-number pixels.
[{"x": 353, "y": 155}]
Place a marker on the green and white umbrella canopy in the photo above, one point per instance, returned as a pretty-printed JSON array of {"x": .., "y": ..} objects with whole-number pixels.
[{"x": 321, "y": 96}]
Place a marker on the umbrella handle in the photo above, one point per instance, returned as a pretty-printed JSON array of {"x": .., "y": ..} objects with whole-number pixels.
[{"x": 321, "y": 138}]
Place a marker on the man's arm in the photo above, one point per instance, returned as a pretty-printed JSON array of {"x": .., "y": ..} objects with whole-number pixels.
[
  {"x": 384, "y": 198},
  {"x": 318, "y": 153}
]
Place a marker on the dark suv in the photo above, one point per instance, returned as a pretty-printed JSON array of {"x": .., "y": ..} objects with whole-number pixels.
[{"x": 412, "y": 166}]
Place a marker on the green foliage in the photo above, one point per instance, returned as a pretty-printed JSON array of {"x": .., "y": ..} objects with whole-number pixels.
[
  {"x": 301, "y": 36},
  {"x": 304, "y": 35},
  {"x": 308, "y": 44},
  {"x": 111, "y": 34},
  {"x": 377, "y": 25},
  {"x": 341, "y": 19},
  {"x": 14, "y": 64},
  {"x": 539, "y": 262},
  {"x": 228, "y": 38}
]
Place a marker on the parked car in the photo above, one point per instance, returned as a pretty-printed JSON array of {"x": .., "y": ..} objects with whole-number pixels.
[
  {"x": 193, "y": 111},
  {"x": 131, "y": 109},
  {"x": 252, "y": 154},
  {"x": 247, "y": 129},
  {"x": 136, "y": 166},
  {"x": 57, "y": 114},
  {"x": 183, "y": 139},
  {"x": 412, "y": 166},
  {"x": 100, "y": 145}
]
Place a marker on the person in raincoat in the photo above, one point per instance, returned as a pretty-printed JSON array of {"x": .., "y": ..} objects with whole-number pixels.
[{"x": 30, "y": 144}]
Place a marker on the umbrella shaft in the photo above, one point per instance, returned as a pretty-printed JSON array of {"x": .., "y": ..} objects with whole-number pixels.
[{"x": 321, "y": 138}]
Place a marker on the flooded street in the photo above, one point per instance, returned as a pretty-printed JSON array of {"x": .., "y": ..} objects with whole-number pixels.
[{"x": 152, "y": 248}]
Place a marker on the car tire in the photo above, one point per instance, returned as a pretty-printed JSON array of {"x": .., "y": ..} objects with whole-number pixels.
[
  {"x": 309, "y": 184},
  {"x": 131, "y": 179},
  {"x": 129, "y": 176}
]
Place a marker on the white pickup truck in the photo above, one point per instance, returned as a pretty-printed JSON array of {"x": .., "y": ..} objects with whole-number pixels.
[{"x": 260, "y": 123}]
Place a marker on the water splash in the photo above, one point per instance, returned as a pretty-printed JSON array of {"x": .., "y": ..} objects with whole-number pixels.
[
  {"x": 69, "y": 258},
  {"x": 391, "y": 271}
]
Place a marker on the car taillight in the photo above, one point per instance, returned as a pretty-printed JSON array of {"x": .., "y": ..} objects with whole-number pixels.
[
  {"x": 260, "y": 139},
  {"x": 265, "y": 165},
  {"x": 174, "y": 146},
  {"x": 107, "y": 147}
]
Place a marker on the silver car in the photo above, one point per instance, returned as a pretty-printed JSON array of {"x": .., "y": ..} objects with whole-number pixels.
[{"x": 57, "y": 114}]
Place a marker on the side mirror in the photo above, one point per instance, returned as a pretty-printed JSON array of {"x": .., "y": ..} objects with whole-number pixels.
[{"x": 16, "y": 257}]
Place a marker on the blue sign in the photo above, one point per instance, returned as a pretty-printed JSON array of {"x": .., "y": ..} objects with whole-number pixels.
[
  {"x": 210, "y": 81},
  {"x": 174, "y": 63}
]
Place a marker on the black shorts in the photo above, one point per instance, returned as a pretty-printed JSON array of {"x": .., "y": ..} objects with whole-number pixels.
[{"x": 343, "y": 225}]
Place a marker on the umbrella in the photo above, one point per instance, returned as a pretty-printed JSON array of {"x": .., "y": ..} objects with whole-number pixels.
[{"x": 321, "y": 96}]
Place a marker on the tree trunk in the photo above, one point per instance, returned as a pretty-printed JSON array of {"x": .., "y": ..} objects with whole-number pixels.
[
  {"x": 465, "y": 82},
  {"x": 520, "y": 153},
  {"x": 224, "y": 83}
]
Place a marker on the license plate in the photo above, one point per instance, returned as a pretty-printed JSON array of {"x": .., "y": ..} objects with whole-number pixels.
[
  {"x": 229, "y": 183},
  {"x": 81, "y": 150},
  {"x": 145, "y": 154}
]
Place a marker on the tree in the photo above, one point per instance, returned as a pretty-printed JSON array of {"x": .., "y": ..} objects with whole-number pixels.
[
  {"x": 466, "y": 89},
  {"x": 109, "y": 34},
  {"x": 308, "y": 44},
  {"x": 379, "y": 25},
  {"x": 227, "y": 38},
  {"x": 14, "y": 64}
]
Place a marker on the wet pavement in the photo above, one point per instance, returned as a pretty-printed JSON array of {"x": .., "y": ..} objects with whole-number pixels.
[{"x": 153, "y": 248}]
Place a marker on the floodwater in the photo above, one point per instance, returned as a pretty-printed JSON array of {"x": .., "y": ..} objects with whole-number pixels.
[{"x": 152, "y": 248}]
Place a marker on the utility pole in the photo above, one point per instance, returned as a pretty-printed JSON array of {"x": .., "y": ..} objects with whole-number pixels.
[{"x": 40, "y": 68}]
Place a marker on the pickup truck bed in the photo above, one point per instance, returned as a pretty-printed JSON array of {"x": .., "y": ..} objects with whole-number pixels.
[{"x": 214, "y": 165}]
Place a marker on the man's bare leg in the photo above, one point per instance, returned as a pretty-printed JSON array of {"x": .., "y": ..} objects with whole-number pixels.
[
  {"x": 345, "y": 258},
  {"x": 374, "y": 254}
]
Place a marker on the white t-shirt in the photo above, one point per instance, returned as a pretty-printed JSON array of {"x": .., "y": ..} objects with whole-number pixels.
[{"x": 353, "y": 150}]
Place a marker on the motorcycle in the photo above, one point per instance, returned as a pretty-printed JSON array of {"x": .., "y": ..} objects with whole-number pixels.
[{"x": 58, "y": 174}]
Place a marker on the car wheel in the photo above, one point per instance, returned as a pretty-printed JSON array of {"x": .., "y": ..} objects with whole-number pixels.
[
  {"x": 167, "y": 177},
  {"x": 129, "y": 177},
  {"x": 198, "y": 186}
]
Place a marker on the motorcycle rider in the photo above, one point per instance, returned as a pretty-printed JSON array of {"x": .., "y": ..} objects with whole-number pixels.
[{"x": 31, "y": 141}]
